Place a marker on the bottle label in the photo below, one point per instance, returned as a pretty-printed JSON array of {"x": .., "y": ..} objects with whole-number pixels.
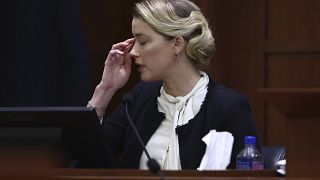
[
  {"x": 248, "y": 164},
  {"x": 257, "y": 166},
  {"x": 243, "y": 164}
]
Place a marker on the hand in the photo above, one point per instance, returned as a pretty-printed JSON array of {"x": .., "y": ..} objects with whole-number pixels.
[{"x": 117, "y": 67}]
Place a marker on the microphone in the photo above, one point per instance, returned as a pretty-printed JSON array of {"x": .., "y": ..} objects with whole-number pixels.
[{"x": 152, "y": 164}]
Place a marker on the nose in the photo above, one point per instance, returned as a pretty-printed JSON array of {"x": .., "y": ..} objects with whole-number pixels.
[{"x": 133, "y": 52}]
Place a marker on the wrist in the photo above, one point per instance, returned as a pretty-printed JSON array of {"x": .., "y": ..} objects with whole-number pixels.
[
  {"x": 105, "y": 88},
  {"x": 99, "y": 109},
  {"x": 101, "y": 98},
  {"x": 102, "y": 88}
]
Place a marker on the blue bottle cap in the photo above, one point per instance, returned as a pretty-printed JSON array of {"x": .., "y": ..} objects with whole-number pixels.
[{"x": 250, "y": 140}]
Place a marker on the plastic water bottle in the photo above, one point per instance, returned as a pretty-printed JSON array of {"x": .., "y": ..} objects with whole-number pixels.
[{"x": 250, "y": 157}]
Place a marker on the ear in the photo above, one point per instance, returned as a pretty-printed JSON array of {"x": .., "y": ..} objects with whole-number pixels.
[{"x": 178, "y": 44}]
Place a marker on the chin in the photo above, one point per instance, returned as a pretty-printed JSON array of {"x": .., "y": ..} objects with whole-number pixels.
[{"x": 146, "y": 78}]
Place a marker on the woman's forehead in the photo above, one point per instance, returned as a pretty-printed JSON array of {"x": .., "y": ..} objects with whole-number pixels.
[{"x": 141, "y": 28}]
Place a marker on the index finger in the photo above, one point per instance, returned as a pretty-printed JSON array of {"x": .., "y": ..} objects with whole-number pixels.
[{"x": 130, "y": 40}]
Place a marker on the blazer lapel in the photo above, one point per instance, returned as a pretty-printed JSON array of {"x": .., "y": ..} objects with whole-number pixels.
[{"x": 147, "y": 123}]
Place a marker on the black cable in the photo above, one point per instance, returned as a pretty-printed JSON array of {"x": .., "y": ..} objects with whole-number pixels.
[{"x": 152, "y": 164}]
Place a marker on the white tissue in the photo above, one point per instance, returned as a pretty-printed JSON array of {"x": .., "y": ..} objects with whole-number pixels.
[{"x": 218, "y": 151}]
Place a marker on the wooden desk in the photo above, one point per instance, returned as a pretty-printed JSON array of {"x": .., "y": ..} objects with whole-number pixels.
[{"x": 126, "y": 174}]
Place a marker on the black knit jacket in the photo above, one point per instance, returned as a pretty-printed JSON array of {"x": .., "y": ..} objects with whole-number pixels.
[{"x": 223, "y": 110}]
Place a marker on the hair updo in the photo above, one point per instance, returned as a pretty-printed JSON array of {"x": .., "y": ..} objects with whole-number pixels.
[{"x": 173, "y": 18}]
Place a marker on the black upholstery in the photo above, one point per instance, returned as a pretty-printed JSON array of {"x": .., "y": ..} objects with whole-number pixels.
[{"x": 272, "y": 154}]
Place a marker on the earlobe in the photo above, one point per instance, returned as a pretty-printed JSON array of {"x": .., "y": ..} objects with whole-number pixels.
[
  {"x": 177, "y": 47},
  {"x": 175, "y": 52},
  {"x": 178, "y": 44}
]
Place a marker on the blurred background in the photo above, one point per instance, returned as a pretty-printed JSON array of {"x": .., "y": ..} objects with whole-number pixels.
[
  {"x": 54, "y": 50},
  {"x": 44, "y": 60}
]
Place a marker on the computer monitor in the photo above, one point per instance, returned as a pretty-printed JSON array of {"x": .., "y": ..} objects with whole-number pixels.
[{"x": 73, "y": 134}]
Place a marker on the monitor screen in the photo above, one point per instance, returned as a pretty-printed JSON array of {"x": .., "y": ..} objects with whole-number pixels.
[{"x": 71, "y": 135}]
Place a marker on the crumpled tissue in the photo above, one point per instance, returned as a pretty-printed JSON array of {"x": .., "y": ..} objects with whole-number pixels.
[{"x": 218, "y": 151}]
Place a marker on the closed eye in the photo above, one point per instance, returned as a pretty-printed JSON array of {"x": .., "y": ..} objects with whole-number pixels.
[{"x": 143, "y": 43}]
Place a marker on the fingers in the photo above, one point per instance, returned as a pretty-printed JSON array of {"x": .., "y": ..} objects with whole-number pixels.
[
  {"x": 120, "y": 45},
  {"x": 131, "y": 40},
  {"x": 128, "y": 48},
  {"x": 116, "y": 51},
  {"x": 125, "y": 51},
  {"x": 122, "y": 48},
  {"x": 119, "y": 53},
  {"x": 128, "y": 60},
  {"x": 123, "y": 45}
]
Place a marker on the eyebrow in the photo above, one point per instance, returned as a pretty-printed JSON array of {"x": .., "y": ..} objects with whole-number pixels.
[{"x": 139, "y": 35}]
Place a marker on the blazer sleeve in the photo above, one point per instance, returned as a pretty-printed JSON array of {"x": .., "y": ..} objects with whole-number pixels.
[{"x": 115, "y": 127}]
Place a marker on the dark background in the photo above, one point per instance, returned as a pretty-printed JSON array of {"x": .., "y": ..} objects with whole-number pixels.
[{"x": 44, "y": 61}]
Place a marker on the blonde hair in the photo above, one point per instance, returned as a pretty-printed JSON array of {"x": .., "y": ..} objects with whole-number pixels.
[{"x": 174, "y": 18}]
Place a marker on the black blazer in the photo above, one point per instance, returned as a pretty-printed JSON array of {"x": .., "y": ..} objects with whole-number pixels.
[{"x": 223, "y": 110}]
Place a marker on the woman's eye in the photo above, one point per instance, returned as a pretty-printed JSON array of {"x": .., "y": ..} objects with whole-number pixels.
[{"x": 143, "y": 43}]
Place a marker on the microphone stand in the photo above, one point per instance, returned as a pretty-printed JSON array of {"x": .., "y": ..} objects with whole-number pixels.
[{"x": 153, "y": 165}]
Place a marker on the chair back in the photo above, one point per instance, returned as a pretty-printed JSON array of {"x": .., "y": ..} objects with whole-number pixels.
[{"x": 272, "y": 154}]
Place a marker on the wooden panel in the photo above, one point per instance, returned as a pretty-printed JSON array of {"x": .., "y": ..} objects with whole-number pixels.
[
  {"x": 292, "y": 46},
  {"x": 288, "y": 70},
  {"x": 271, "y": 43},
  {"x": 293, "y": 70},
  {"x": 301, "y": 107},
  {"x": 293, "y": 19},
  {"x": 302, "y": 135},
  {"x": 275, "y": 127},
  {"x": 293, "y": 26},
  {"x": 106, "y": 23},
  {"x": 292, "y": 57}
]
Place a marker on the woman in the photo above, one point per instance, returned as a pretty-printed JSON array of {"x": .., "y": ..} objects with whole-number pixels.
[{"x": 176, "y": 105}]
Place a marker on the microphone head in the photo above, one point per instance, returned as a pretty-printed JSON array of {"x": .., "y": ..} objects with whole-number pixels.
[{"x": 153, "y": 166}]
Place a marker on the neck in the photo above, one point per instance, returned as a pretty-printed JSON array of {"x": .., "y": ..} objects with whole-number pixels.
[{"x": 181, "y": 83}]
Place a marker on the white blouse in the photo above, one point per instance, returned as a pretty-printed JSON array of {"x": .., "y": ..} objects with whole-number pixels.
[{"x": 163, "y": 144}]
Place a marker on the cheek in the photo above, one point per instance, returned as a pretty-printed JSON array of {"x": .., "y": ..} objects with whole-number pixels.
[
  {"x": 159, "y": 53},
  {"x": 153, "y": 50}
]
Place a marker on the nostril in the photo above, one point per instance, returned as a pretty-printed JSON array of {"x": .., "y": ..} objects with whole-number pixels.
[{"x": 132, "y": 54}]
